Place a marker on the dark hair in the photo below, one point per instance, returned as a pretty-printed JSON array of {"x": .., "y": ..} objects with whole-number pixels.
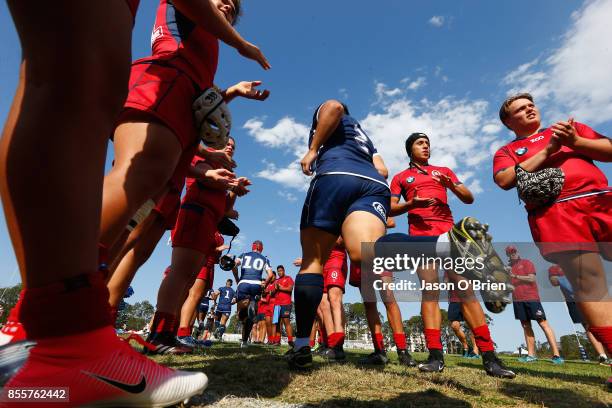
[
  {"x": 413, "y": 138},
  {"x": 280, "y": 266},
  {"x": 230, "y": 281},
  {"x": 504, "y": 111},
  {"x": 238, "y": 10}
]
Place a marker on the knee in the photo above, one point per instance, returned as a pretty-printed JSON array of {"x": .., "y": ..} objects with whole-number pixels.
[{"x": 455, "y": 325}]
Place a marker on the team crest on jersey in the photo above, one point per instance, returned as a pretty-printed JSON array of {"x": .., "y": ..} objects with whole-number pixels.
[
  {"x": 380, "y": 209},
  {"x": 521, "y": 151},
  {"x": 435, "y": 173},
  {"x": 410, "y": 179},
  {"x": 334, "y": 275}
]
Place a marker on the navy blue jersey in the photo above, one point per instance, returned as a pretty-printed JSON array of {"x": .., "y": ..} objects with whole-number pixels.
[
  {"x": 226, "y": 295},
  {"x": 348, "y": 150},
  {"x": 206, "y": 298},
  {"x": 252, "y": 266}
]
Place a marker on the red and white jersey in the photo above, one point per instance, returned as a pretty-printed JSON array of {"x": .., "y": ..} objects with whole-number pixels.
[
  {"x": 412, "y": 180},
  {"x": 524, "y": 291},
  {"x": 581, "y": 175},
  {"x": 184, "y": 45},
  {"x": 201, "y": 195}
]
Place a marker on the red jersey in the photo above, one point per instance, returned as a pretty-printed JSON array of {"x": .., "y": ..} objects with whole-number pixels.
[
  {"x": 271, "y": 296},
  {"x": 524, "y": 291},
  {"x": 581, "y": 175},
  {"x": 283, "y": 298},
  {"x": 184, "y": 45},
  {"x": 197, "y": 193},
  {"x": 406, "y": 183}
]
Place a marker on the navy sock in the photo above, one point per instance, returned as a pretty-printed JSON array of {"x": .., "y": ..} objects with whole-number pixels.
[{"x": 308, "y": 294}]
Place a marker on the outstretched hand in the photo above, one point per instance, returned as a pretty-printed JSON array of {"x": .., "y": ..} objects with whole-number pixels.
[
  {"x": 248, "y": 90},
  {"x": 251, "y": 51}
]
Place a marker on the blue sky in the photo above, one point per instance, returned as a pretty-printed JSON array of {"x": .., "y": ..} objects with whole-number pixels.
[{"x": 439, "y": 67}]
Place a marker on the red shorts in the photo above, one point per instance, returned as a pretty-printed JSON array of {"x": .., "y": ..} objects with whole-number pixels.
[
  {"x": 430, "y": 228},
  {"x": 207, "y": 272},
  {"x": 335, "y": 275},
  {"x": 166, "y": 94},
  {"x": 577, "y": 224},
  {"x": 262, "y": 308},
  {"x": 195, "y": 229},
  {"x": 355, "y": 277},
  {"x": 168, "y": 207}
]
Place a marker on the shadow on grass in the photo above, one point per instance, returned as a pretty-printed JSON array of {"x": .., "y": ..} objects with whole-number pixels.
[
  {"x": 556, "y": 373},
  {"x": 428, "y": 398},
  {"x": 542, "y": 396}
]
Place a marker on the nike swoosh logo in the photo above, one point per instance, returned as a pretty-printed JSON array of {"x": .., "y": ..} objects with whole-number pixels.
[{"x": 131, "y": 388}]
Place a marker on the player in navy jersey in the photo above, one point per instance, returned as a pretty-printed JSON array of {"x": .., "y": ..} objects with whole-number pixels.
[
  {"x": 225, "y": 297},
  {"x": 203, "y": 308},
  {"x": 348, "y": 196},
  {"x": 250, "y": 283}
]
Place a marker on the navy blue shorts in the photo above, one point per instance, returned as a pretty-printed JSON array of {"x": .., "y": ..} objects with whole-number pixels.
[
  {"x": 203, "y": 308},
  {"x": 285, "y": 311},
  {"x": 332, "y": 197},
  {"x": 247, "y": 291},
  {"x": 454, "y": 312},
  {"x": 222, "y": 312},
  {"x": 574, "y": 313},
  {"x": 524, "y": 311}
]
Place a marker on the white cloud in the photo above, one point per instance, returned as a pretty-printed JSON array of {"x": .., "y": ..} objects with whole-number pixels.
[
  {"x": 491, "y": 128},
  {"x": 437, "y": 21},
  {"x": 287, "y": 196},
  {"x": 271, "y": 222},
  {"x": 416, "y": 84},
  {"x": 455, "y": 127},
  {"x": 574, "y": 78},
  {"x": 287, "y": 132},
  {"x": 343, "y": 92},
  {"x": 383, "y": 92}
]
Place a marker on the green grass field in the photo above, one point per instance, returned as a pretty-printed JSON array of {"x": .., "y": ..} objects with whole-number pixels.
[{"x": 260, "y": 372}]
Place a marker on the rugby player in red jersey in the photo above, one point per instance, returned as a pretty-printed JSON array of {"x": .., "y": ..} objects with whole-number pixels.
[
  {"x": 72, "y": 83},
  {"x": 156, "y": 125},
  {"x": 284, "y": 288},
  {"x": 575, "y": 230},
  {"x": 193, "y": 239},
  {"x": 424, "y": 190},
  {"x": 203, "y": 282},
  {"x": 527, "y": 305},
  {"x": 269, "y": 294},
  {"x": 335, "y": 272}
]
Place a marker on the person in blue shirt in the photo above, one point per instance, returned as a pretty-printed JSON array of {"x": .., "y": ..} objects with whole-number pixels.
[
  {"x": 252, "y": 266},
  {"x": 225, "y": 297},
  {"x": 348, "y": 196},
  {"x": 203, "y": 308},
  {"x": 558, "y": 278}
]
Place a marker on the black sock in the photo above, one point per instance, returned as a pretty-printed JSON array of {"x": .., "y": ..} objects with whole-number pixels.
[
  {"x": 308, "y": 294},
  {"x": 246, "y": 330}
]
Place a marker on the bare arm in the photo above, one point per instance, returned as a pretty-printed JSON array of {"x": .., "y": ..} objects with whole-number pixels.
[
  {"x": 218, "y": 179},
  {"x": 595, "y": 149},
  {"x": 205, "y": 14},
  {"x": 524, "y": 278},
  {"x": 380, "y": 166},
  {"x": 330, "y": 114},
  {"x": 398, "y": 208}
]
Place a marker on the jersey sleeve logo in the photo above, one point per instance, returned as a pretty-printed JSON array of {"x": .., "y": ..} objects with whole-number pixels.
[
  {"x": 521, "y": 151},
  {"x": 435, "y": 173},
  {"x": 410, "y": 179}
]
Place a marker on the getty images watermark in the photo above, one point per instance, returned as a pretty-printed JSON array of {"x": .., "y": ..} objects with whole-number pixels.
[{"x": 381, "y": 266}]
